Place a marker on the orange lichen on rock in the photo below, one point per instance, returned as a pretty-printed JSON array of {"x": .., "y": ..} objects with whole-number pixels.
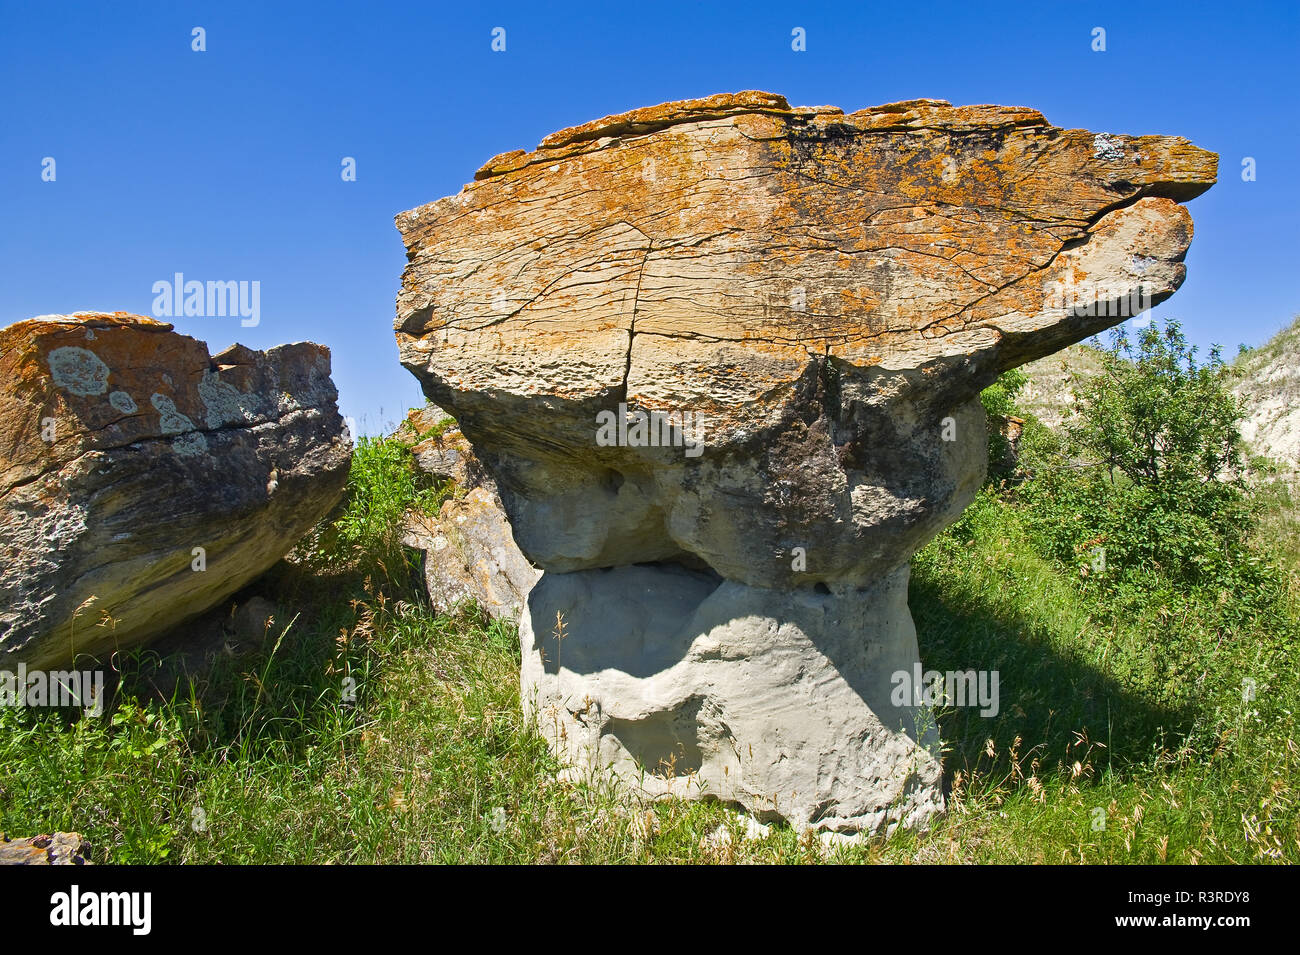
[
  {"x": 720, "y": 253},
  {"x": 693, "y": 220}
]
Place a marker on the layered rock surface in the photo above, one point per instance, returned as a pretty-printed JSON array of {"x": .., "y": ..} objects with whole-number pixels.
[
  {"x": 142, "y": 480},
  {"x": 742, "y": 343},
  {"x": 469, "y": 550}
]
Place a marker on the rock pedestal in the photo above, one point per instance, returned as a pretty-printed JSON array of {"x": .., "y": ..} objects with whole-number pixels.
[
  {"x": 723, "y": 359},
  {"x": 777, "y": 700}
]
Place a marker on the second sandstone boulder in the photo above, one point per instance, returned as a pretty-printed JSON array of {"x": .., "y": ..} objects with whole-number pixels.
[{"x": 142, "y": 480}]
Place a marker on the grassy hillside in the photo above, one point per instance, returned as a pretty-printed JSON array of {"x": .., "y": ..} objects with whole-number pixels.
[
  {"x": 376, "y": 731},
  {"x": 1268, "y": 383},
  {"x": 1047, "y": 394}
]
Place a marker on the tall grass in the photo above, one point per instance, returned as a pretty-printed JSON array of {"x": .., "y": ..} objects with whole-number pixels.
[{"x": 373, "y": 730}]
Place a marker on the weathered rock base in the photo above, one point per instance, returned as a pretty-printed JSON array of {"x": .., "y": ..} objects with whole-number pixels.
[{"x": 682, "y": 684}]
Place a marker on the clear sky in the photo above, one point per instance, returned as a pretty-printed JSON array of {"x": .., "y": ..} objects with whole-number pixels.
[{"x": 225, "y": 164}]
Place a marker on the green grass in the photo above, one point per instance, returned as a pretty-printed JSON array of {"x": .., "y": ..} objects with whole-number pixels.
[
  {"x": 1142, "y": 717},
  {"x": 431, "y": 764},
  {"x": 365, "y": 532},
  {"x": 270, "y": 760}
]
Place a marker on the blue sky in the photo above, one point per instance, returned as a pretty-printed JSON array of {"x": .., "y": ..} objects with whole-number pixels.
[{"x": 225, "y": 164}]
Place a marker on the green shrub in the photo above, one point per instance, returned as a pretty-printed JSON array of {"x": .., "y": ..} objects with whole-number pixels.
[
  {"x": 1144, "y": 493},
  {"x": 1159, "y": 418},
  {"x": 999, "y": 398},
  {"x": 383, "y": 485}
]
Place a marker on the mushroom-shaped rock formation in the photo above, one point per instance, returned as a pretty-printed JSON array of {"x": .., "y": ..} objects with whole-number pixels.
[
  {"x": 723, "y": 358},
  {"x": 142, "y": 481}
]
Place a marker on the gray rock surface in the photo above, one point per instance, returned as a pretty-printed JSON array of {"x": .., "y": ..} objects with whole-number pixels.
[
  {"x": 470, "y": 553},
  {"x": 469, "y": 548},
  {"x": 705, "y": 688}
]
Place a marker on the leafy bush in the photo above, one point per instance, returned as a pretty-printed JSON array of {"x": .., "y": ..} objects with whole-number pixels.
[
  {"x": 999, "y": 398},
  {"x": 1144, "y": 494},
  {"x": 1160, "y": 419}
]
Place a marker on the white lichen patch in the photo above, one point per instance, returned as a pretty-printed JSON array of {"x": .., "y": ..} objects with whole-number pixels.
[
  {"x": 122, "y": 402},
  {"x": 78, "y": 370},
  {"x": 1105, "y": 146},
  {"x": 188, "y": 445},
  {"x": 226, "y": 404},
  {"x": 173, "y": 422}
]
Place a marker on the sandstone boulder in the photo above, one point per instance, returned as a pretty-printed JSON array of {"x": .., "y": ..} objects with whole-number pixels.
[
  {"x": 470, "y": 554},
  {"x": 723, "y": 359},
  {"x": 142, "y": 480},
  {"x": 469, "y": 550}
]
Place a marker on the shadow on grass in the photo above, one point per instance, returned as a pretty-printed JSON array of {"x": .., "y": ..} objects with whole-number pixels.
[
  {"x": 1062, "y": 709},
  {"x": 303, "y": 680}
]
